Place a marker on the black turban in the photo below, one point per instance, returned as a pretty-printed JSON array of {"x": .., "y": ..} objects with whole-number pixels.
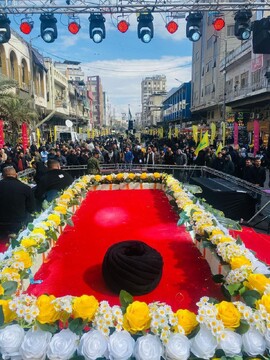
[{"x": 132, "y": 266}]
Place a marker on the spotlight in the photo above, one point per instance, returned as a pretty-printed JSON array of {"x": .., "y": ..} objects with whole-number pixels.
[
  {"x": 97, "y": 30},
  {"x": 74, "y": 25},
  {"x": 172, "y": 27},
  {"x": 123, "y": 26},
  {"x": 193, "y": 26},
  {"x": 242, "y": 26},
  {"x": 26, "y": 25},
  {"x": 145, "y": 27},
  {"x": 48, "y": 29},
  {"x": 261, "y": 36},
  {"x": 218, "y": 24},
  {"x": 4, "y": 29}
]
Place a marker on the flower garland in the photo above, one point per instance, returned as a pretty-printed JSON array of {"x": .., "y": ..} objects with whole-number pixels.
[{"x": 61, "y": 328}]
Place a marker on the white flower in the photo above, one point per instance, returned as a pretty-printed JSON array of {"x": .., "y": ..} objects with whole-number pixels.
[
  {"x": 178, "y": 347},
  {"x": 230, "y": 343},
  {"x": 148, "y": 347},
  {"x": 35, "y": 343},
  {"x": 121, "y": 345},
  {"x": 204, "y": 344},
  {"x": 253, "y": 342},
  {"x": 63, "y": 345},
  {"x": 93, "y": 345},
  {"x": 11, "y": 338}
]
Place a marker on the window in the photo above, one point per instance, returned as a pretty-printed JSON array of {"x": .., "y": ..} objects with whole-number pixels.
[
  {"x": 208, "y": 66},
  {"x": 244, "y": 80},
  {"x": 256, "y": 76},
  {"x": 208, "y": 89},
  {"x": 230, "y": 30}
]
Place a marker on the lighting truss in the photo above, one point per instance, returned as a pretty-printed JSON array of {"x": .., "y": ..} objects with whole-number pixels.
[{"x": 124, "y": 6}]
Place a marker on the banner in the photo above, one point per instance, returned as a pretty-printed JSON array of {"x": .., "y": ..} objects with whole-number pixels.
[
  {"x": 256, "y": 136},
  {"x": 24, "y": 136},
  {"x": 213, "y": 132},
  {"x": 223, "y": 133},
  {"x": 55, "y": 133},
  {"x": 38, "y": 138},
  {"x": 195, "y": 133},
  {"x": 235, "y": 133},
  {"x": 2, "y": 141},
  {"x": 220, "y": 147},
  {"x": 51, "y": 139},
  {"x": 170, "y": 133},
  {"x": 203, "y": 143}
]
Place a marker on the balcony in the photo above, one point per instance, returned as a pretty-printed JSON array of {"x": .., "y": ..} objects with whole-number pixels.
[{"x": 236, "y": 55}]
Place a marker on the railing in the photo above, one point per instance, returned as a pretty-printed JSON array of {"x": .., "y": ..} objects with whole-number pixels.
[{"x": 25, "y": 173}]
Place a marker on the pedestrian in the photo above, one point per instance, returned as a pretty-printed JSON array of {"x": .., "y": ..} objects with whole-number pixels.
[{"x": 93, "y": 167}]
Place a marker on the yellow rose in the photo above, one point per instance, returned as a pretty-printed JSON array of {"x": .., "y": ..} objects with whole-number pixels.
[
  {"x": 238, "y": 261},
  {"x": 216, "y": 232},
  {"x": 120, "y": 176},
  {"x": 47, "y": 313},
  {"x": 257, "y": 282},
  {"x": 55, "y": 219},
  {"x": 131, "y": 176},
  {"x": 186, "y": 319},
  {"x": 27, "y": 242},
  {"x": 156, "y": 175},
  {"x": 85, "y": 307},
  {"x": 2, "y": 290},
  {"x": 137, "y": 317},
  {"x": 224, "y": 239},
  {"x": 23, "y": 257},
  {"x": 265, "y": 301},
  {"x": 61, "y": 209},
  {"x": 38, "y": 231},
  {"x": 13, "y": 274},
  {"x": 98, "y": 178},
  {"x": 8, "y": 314},
  {"x": 109, "y": 177},
  {"x": 228, "y": 314}
]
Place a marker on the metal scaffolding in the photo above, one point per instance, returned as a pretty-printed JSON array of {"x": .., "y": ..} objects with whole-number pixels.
[{"x": 70, "y": 7}]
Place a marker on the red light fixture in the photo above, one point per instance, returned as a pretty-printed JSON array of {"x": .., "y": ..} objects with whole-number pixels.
[
  {"x": 74, "y": 25},
  {"x": 218, "y": 24},
  {"x": 26, "y": 26},
  {"x": 123, "y": 26},
  {"x": 172, "y": 27}
]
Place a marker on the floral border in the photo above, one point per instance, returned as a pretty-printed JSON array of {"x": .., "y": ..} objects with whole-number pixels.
[{"x": 81, "y": 327}]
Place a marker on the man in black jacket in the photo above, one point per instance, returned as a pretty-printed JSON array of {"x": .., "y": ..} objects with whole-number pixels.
[
  {"x": 52, "y": 182},
  {"x": 16, "y": 202}
]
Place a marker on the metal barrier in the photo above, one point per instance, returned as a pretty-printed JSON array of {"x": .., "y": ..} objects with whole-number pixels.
[{"x": 25, "y": 173}]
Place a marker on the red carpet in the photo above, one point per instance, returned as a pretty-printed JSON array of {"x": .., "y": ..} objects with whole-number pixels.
[
  {"x": 257, "y": 242},
  {"x": 107, "y": 217}
]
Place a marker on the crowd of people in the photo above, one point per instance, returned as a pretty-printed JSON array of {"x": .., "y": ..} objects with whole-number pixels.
[{"x": 51, "y": 159}]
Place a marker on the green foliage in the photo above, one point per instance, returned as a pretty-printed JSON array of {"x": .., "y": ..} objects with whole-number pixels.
[
  {"x": 2, "y": 318},
  {"x": 10, "y": 287},
  {"x": 43, "y": 247},
  {"x": 125, "y": 300},
  {"x": 77, "y": 325},
  {"x": 250, "y": 297},
  {"x": 218, "y": 278},
  {"x": 183, "y": 218},
  {"x": 70, "y": 222},
  {"x": 193, "y": 189},
  {"x": 52, "y": 328},
  {"x": 234, "y": 288},
  {"x": 243, "y": 328}
]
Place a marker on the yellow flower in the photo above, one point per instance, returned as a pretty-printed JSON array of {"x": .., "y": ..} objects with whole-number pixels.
[
  {"x": 131, "y": 176},
  {"x": 224, "y": 239},
  {"x": 85, "y": 307},
  {"x": 27, "y": 242},
  {"x": 257, "y": 282},
  {"x": 23, "y": 257},
  {"x": 228, "y": 314},
  {"x": 144, "y": 176},
  {"x": 238, "y": 261},
  {"x": 137, "y": 317},
  {"x": 47, "y": 313},
  {"x": 109, "y": 177},
  {"x": 61, "y": 209},
  {"x": 98, "y": 178},
  {"x": 216, "y": 232},
  {"x": 120, "y": 176},
  {"x": 8, "y": 314},
  {"x": 265, "y": 301},
  {"x": 55, "y": 219},
  {"x": 186, "y": 319},
  {"x": 2, "y": 290},
  {"x": 156, "y": 175},
  {"x": 38, "y": 231},
  {"x": 13, "y": 272}
]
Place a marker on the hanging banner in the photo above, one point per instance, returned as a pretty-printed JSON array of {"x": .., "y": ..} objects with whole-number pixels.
[
  {"x": 213, "y": 132},
  {"x": 195, "y": 133},
  {"x": 55, "y": 134},
  {"x": 223, "y": 133},
  {"x": 38, "y": 137},
  {"x": 24, "y": 136},
  {"x": 51, "y": 139},
  {"x": 256, "y": 124},
  {"x": 2, "y": 141},
  {"x": 235, "y": 133},
  {"x": 170, "y": 133}
]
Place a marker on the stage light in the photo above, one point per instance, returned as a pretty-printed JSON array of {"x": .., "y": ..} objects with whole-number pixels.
[
  {"x": 145, "y": 27},
  {"x": 123, "y": 26},
  {"x": 97, "y": 30},
  {"x": 218, "y": 24},
  {"x": 74, "y": 25},
  {"x": 172, "y": 27},
  {"x": 26, "y": 25},
  {"x": 4, "y": 29},
  {"x": 48, "y": 29},
  {"x": 193, "y": 26},
  {"x": 261, "y": 36},
  {"x": 242, "y": 26}
]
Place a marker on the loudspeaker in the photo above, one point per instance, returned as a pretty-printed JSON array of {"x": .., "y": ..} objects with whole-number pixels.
[{"x": 261, "y": 36}]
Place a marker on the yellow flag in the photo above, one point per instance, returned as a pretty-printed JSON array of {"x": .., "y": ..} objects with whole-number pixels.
[
  {"x": 220, "y": 147},
  {"x": 223, "y": 133},
  {"x": 213, "y": 132},
  {"x": 38, "y": 137},
  {"x": 176, "y": 132},
  {"x": 88, "y": 133},
  {"x": 203, "y": 143},
  {"x": 55, "y": 133},
  {"x": 170, "y": 133},
  {"x": 51, "y": 135},
  {"x": 195, "y": 133}
]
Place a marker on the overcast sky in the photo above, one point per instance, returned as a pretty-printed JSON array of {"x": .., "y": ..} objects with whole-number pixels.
[{"x": 121, "y": 60}]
